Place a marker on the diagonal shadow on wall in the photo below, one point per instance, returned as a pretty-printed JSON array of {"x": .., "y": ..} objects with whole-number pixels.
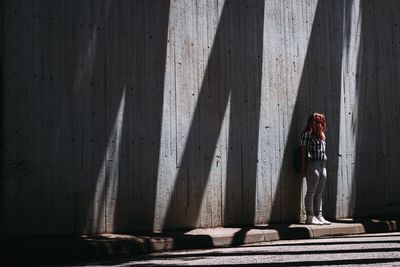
[
  {"x": 319, "y": 90},
  {"x": 118, "y": 103},
  {"x": 136, "y": 58},
  {"x": 95, "y": 73},
  {"x": 65, "y": 47},
  {"x": 232, "y": 78}
]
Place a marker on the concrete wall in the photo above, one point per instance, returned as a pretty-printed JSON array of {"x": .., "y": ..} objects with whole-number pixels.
[{"x": 121, "y": 116}]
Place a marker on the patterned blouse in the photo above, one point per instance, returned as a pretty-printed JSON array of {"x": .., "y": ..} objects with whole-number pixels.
[{"x": 316, "y": 149}]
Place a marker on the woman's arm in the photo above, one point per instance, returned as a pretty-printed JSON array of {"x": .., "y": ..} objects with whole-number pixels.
[{"x": 303, "y": 161}]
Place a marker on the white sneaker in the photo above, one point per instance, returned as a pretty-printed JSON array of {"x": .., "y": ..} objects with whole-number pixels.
[
  {"x": 322, "y": 219},
  {"x": 313, "y": 220}
]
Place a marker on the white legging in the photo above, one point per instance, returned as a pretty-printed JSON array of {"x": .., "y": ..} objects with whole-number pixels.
[{"x": 316, "y": 179}]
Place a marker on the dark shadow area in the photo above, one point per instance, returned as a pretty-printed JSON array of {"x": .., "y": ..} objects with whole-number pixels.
[
  {"x": 39, "y": 251},
  {"x": 83, "y": 109},
  {"x": 54, "y": 106},
  {"x": 124, "y": 188},
  {"x": 319, "y": 91},
  {"x": 233, "y": 77},
  {"x": 285, "y": 233},
  {"x": 136, "y": 52},
  {"x": 239, "y": 237},
  {"x": 52, "y": 250},
  {"x": 378, "y": 225},
  {"x": 2, "y": 117},
  {"x": 241, "y": 44},
  {"x": 375, "y": 119}
]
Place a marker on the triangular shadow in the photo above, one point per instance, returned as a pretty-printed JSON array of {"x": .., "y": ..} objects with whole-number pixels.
[
  {"x": 232, "y": 79},
  {"x": 319, "y": 90}
]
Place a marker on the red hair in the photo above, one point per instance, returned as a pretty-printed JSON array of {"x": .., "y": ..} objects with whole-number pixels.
[{"x": 316, "y": 125}]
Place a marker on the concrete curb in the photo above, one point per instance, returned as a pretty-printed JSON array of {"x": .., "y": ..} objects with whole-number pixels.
[{"x": 61, "y": 249}]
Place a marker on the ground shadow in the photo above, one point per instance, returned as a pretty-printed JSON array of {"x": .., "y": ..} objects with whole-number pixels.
[{"x": 380, "y": 225}]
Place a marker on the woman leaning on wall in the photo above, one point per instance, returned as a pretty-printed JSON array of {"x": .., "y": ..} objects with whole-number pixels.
[{"x": 313, "y": 166}]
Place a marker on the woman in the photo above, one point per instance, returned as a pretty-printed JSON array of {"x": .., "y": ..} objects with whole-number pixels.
[{"x": 313, "y": 166}]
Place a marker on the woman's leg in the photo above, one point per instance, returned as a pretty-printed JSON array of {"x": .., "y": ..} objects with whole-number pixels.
[
  {"x": 312, "y": 184},
  {"x": 321, "y": 169}
]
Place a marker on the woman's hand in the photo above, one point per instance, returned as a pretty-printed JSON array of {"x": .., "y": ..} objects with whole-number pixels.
[
  {"x": 303, "y": 161},
  {"x": 303, "y": 172}
]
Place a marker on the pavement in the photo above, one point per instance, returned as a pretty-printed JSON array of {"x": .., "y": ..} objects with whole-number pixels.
[{"x": 50, "y": 250}]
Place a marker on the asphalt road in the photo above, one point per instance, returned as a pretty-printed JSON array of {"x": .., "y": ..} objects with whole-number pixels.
[{"x": 356, "y": 250}]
